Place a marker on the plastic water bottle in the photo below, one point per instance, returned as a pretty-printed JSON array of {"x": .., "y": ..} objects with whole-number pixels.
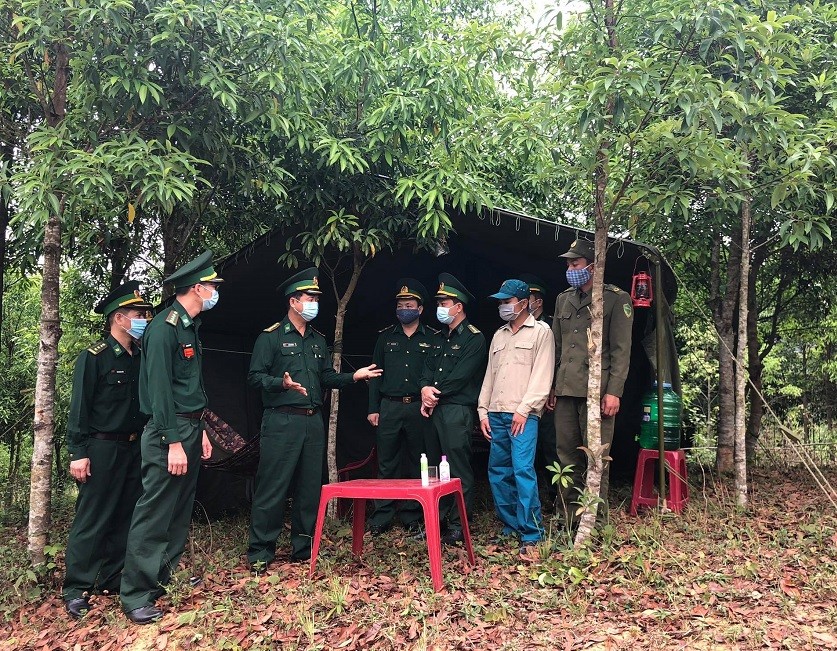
[
  {"x": 425, "y": 477},
  {"x": 444, "y": 469}
]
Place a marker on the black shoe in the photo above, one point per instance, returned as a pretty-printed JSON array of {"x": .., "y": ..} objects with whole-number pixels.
[
  {"x": 195, "y": 581},
  {"x": 378, "y": 529},
  {"x": 414, "y": 527},
  {"x": 144, "y": 615},
  {"x": 527, "y": 546},
  {"x": 453, "y": 536},
  {"x": 77, "y": 607},
  {"x": 301, "y": 557}
]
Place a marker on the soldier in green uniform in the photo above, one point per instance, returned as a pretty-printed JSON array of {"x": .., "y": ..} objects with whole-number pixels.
[
  {"x": 570, "y": 324},
  {"x": 291, "y": 364},
  {"x": 395, "y": 402},
  {"x": 103, "y": 431},
  {"x": 451, "y": 383},
  {"x": 173, "y": 442},
  {"x": 547, "y": 454}
]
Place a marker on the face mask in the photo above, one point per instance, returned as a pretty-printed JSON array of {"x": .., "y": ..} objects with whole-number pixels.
[
  {"x": 310, "y": 310},
  {"x": 507, "y": 312},
  {"x": 137, "y": 328},
  {"x": 407, "y": 315},
  {"x": 579, "y": 277},
  {"x": 212, "y": 301},
  {"x": 444, "y": 315}
]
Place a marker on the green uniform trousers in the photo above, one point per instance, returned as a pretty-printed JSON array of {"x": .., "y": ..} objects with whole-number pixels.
[
  {"x": 453, "y": 426},
  {"x": 571, "y": 433},
  {"x": 160, "y": 526},
  {"x": 292, "y": 448},
  {"x": 99, "y": 534},
  {"x": 547, "y": 452},
  {"x": 401, "y": 438}
]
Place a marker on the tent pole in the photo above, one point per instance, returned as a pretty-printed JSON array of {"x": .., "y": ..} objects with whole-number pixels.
[{"x": 658, "y": 310}]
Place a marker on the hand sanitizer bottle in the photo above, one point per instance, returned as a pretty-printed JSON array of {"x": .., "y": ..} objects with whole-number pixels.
[
  {"x": 425, "y": 478},
  {"x": 444, "y": 469}
]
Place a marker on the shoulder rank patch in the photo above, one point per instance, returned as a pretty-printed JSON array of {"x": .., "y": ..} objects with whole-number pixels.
[
  {"x": 613, "y": 288},
  {"x": 473, "y": 329},
  {"x": 172, "y": 317},
  {"x": 273, "y": 327},
  {"x": 98, "y": 347},
  {"x": 389, "y": 327}
]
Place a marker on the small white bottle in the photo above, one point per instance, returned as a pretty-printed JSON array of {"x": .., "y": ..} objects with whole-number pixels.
[
  {"x": 444, "y": 469},
  {"x": 425, "y": 477}
]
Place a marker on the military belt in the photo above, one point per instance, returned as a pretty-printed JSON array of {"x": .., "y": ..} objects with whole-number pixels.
[
  {"x": 125, "y": 437},
  {"x": 405, "y": 399},
  {"x": 299, "y": 411},
  {"x": 192, "y": 415}
]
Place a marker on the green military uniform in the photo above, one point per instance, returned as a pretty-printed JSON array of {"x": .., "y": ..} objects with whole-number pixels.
[
  {"x": 104, "y": 426},
  {"x": 402, "y": 431},
  {"x": 456, "y": 369},
  {"x": 293, "y": 438},
  {"x": 172, "y": 393},
  {"x": 547, "y": 453},
  {"x": 571, "y": 321}
]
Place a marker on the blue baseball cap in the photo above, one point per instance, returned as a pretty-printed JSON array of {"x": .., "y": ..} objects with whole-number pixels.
[{"x": 512, "y": 289}]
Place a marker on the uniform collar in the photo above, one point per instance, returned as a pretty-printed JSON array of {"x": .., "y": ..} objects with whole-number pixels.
[
  {"x": 185, "y": 319},
  {"x": 399, "y": 327},
  {"x": 285, "y": 327},
  {"x": 528, "y": 323},
  {"x": 460, "y": 328},
  {"x": 581, "y": 300},
  {"x": 117, "y": 348}
]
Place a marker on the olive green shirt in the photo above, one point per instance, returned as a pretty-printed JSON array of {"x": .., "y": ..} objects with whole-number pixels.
[
  {"x": 280, "y": 349},
  {"x": 402, "y": 359},
  {"x": 458, "y": 365},
  {"x": 105, "y": 395},
  {"x": 171, "y": 381},
  {"x": 570, "y": 324}
]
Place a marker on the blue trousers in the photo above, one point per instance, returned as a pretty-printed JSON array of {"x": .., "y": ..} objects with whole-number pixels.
[{"x": 511, "y": 473}]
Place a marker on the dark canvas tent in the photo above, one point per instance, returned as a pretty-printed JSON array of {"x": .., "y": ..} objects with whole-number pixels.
[{"x": 482, "y": 252}]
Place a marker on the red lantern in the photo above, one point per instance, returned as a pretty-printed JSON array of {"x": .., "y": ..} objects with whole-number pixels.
[{"x": 642, "y": 291}]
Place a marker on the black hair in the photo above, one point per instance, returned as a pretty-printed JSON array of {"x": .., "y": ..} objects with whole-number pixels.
[{"x": 296, "y": 295}]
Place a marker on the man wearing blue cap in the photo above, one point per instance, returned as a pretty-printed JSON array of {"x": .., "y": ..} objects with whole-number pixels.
[
  {"x": 514, "y": 391},
  {"x": 173, "y": 442}
]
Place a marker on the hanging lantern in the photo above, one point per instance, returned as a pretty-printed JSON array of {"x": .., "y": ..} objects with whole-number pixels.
[{"x": 642, "y": 292}]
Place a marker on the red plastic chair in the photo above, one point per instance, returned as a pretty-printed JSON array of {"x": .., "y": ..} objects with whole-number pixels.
[
  {"x": 677, "y": 487},
  {"x": 359, "y": 490}
]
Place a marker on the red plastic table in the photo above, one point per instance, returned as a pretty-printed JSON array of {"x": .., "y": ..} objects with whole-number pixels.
[{"x": 361, "y": 490}]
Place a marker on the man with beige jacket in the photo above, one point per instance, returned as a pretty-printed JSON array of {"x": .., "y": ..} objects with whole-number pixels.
[{"x": 514, "y": 391}]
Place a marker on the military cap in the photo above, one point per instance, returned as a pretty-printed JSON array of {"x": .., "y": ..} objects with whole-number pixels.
[
  {"x": 450, "y": 287},
  {"x": 305, "y": 281},
  {"x": 194, "y": 272},
  {"x": 126, "y": 295},
  {"x": 512, "y": 288},
  {"x": 580, "y": 249},
  {"x": 535, "y": 283},
  {"x": 411, "y": 288}
]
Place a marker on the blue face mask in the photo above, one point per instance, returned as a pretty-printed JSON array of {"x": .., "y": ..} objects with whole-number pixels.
[
  {"x": 137, "y": 328},
  {"x": 310, "y": 310},
  {"x": 579, "y": 277},
  {"x": 212, "y": 301},
  {"x": 444, "y": 315},
  {"x": 407, "y": 315}
]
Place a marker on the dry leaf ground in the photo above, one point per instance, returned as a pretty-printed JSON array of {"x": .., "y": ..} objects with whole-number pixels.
[{"x": 712, "y": 578}]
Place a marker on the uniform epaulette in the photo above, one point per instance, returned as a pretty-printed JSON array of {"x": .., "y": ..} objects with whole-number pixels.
[
  {"x": 473, "y": 329},
  {"x": 273, "y": 327},
  {"x": 542, "y": 323},
  {"x": 389, "y": 327},
  {"x": 98, "y": 347},
  {"x": 433, "y": 330},
  {"x": 569, "y": 289},
  {"x": 318, "y": 332},
  {"x": 172, "y": 318},
  {"x": 613, "y": 288}
]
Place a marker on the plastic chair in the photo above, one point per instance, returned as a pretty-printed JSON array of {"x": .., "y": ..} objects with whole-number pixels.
[{"x": 677, "y": 487}]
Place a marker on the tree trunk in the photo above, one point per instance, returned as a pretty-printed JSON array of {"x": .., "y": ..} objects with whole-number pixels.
[
  {"x": 754, "y": 359},
  {"x": 44, "y": 424},
  {"x": 358, "y": 262},
  {"x": 723, "y": 313},
  {"x": 5, "y": 217},
  {"x": 741, "y": 362},
  {"x": 50, "y": 332}
]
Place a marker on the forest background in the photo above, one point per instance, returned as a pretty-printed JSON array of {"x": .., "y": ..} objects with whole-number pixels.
[{"x": 133, "y": 134}]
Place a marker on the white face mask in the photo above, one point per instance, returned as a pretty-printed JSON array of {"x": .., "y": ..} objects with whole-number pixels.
[
  {"x": 444, "y": 315},
  {"x": 507, "y": 312},
  {"x": 310, "y": 310}
]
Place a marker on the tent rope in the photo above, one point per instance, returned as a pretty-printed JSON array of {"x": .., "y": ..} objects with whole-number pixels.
[{"x": 804, "y": 456}]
